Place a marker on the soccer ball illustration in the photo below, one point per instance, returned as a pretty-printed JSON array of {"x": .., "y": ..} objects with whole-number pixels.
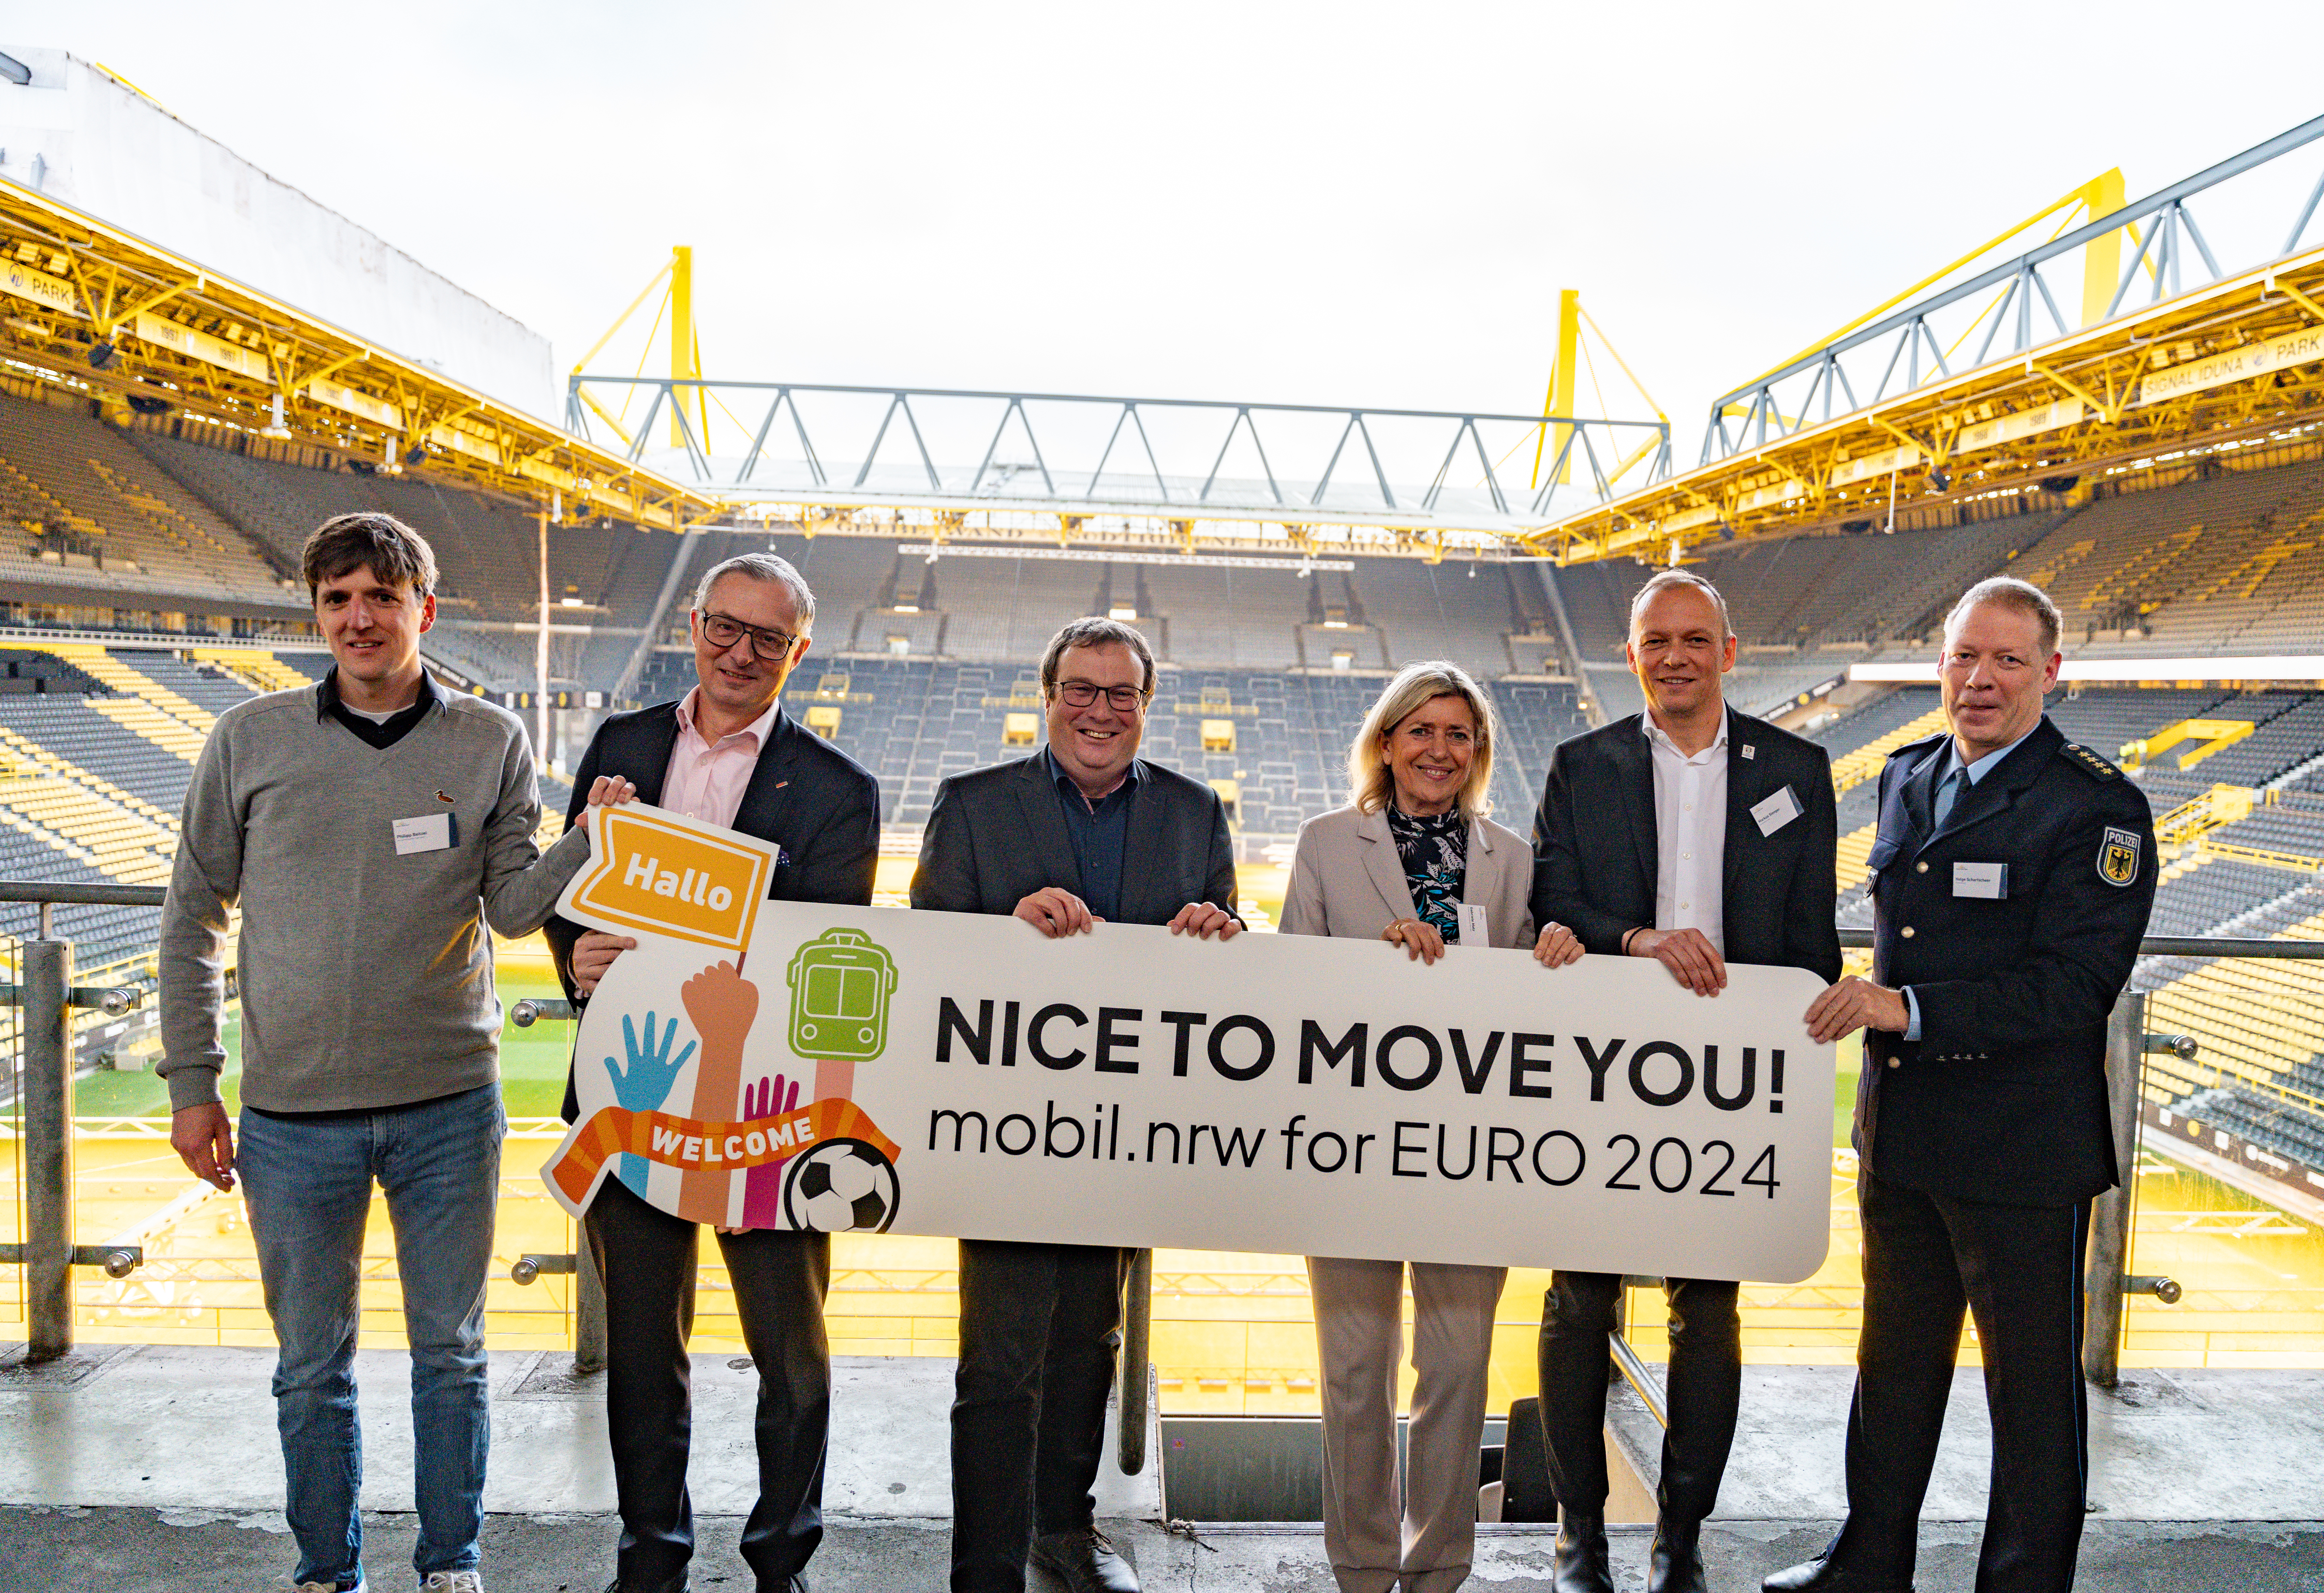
[{"x": 840, "y": 1186}]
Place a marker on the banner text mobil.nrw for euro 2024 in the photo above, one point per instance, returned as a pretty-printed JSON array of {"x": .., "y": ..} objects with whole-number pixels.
[{"x": 962, "y": 1075}]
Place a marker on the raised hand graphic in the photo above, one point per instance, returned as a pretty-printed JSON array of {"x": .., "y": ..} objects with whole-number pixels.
[
  {"x": 723, "y": 1005},
  {"x": 645, "y": 1083},
  {"x": 762, "y": 1186}
]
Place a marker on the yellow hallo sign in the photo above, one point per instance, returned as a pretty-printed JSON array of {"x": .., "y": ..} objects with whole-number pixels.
[{"x": 649, "y": 870}]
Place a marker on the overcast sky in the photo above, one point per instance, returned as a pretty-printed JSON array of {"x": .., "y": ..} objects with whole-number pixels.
[{"x": 1345, "y": 203}]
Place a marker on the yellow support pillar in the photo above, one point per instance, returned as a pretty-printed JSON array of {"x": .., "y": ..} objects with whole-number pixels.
[
  {"x": 683, "y": 364},
  {"x": 2103, "y": 194},
  {"x": 1560, "y": 400}
]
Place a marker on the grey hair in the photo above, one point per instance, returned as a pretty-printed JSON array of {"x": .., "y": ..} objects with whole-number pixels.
[
  {"x": 1370, "y": 786},
  {"x": 1665, "y": 580},
  {"x": 763, "y": 566},
  {"x": 2023, "y": 596},
  {"x": 1095, "y": 632}
]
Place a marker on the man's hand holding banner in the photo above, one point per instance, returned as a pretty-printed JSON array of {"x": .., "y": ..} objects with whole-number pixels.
[{"x": 1130, "y": 1087}]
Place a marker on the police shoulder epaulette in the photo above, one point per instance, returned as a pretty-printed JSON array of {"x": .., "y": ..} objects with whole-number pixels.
[{"x": 2089, "y": 762}]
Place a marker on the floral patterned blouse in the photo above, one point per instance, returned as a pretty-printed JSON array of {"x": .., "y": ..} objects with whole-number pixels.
[{"x": 1435, "y": 855}]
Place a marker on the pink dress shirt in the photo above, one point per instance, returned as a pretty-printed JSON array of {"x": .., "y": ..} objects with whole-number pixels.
[{"x": 706, "y": 782}]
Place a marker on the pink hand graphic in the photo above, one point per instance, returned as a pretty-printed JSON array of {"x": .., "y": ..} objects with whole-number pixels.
[{"x": 762, "y": 1186}]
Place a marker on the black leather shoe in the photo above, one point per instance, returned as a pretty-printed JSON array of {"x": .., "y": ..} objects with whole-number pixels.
[
  {"x": 1085, "y": 1561},
  {"x": 1821, "y": 1576},
  {"x": 1581, "y": 1556},
  {"x": 1673, "y": 1565}
]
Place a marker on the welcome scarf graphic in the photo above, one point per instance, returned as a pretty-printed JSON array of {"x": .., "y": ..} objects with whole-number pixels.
[{"x": 699, "y": 1145}]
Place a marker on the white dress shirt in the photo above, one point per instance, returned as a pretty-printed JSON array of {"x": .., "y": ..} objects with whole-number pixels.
[{"x": 1689, "y": 834}]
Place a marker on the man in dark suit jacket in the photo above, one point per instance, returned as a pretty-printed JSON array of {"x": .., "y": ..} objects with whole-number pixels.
[
  {"x": 1699, "y": 836},
  {"x": 1081, "y": 833},
  {"x": 725, "y": 753},
  {"x": 2012, "y": 874}
]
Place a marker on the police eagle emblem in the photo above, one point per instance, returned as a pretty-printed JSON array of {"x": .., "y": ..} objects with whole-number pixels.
[{"x": 2119, "y": 856}]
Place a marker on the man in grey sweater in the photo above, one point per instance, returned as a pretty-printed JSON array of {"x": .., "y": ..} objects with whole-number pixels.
[{"x": 373, "y": 830}]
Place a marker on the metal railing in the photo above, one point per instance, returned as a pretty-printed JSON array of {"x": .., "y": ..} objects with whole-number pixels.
[{"x": 46, "y": 993}]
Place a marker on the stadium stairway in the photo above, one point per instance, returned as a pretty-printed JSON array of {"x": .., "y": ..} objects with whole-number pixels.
[
  {"x": 144, "y": 706},
  {"x": 260, "y": 671}
]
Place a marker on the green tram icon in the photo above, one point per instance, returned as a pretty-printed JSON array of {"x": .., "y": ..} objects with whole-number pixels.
[{"x": 840, "y": 984}]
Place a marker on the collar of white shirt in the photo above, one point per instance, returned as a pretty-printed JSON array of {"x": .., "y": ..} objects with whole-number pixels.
[
  {"x": 1655, "y": 735},
  {"x": 757, "y": 730}
]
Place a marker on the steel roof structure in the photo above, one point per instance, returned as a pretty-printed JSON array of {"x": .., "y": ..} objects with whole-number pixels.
[
  {"x": 92, "y": 308},
  {"x": 2236, "y": 359}
]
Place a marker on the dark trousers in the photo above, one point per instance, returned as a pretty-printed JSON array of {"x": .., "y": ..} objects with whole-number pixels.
[
  {"x": 1038, "y": 1335},
  {"x": 1704, "y": 1385},
  {"x": 647, "y": 1258},
  {"x": 1927, "y": 1258}
]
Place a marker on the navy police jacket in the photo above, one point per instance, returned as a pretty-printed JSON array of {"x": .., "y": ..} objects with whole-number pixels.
[{"x": 2016, "y": 925}]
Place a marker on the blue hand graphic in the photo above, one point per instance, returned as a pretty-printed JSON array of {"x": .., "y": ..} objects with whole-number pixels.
[
  {"x": 645, "y": 1084},
  {"x": 652, "y": 1070}
]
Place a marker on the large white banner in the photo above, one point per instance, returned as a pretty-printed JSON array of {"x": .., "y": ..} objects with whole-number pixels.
[{"x": 780, "y": 1064}]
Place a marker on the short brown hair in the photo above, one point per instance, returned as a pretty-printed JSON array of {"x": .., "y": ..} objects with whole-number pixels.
[
  {"x": 1095, "y": 632},
  {"x": 372, "y": 540},
  {"x": 2023, "y": 596}
]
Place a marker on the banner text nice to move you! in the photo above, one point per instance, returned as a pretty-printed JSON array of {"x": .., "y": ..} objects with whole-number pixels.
[{"x": 781, "y": 1064}]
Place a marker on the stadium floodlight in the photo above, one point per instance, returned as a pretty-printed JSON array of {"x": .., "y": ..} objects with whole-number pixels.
[{"x": 100, "y": 355}]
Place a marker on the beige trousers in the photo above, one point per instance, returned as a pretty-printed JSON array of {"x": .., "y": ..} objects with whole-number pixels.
[{"x": 1424, "y": 1546}]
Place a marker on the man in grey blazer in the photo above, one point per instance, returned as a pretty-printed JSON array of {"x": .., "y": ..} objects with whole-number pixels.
[
  {"x": 1698, "y": 836},
  {"x": 1081, "y": 832}
]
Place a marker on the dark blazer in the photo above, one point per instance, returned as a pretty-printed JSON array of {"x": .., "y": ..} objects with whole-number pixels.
[
  {"x": 2002, "y": 1098},
  {"x": 1594, "y": 845},
  {"x": 821, "y": 805},
  {"x": 996, "y": 835}
]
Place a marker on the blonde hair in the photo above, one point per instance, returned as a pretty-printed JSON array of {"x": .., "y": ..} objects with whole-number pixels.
[{"x": 1370, "y": 786}]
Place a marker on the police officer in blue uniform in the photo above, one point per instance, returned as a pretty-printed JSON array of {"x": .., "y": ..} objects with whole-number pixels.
[{"x": 2013, "y": 874}]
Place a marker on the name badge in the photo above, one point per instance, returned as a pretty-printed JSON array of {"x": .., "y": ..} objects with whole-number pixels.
[
  {"x": 1987, "y": 881},
  {"x": 430, "y": 831},
  {"x": 1776, "y": 810},
  {"x": 1476, "y": 930}
]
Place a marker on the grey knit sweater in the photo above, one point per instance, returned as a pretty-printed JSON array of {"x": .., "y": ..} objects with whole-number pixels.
[{"x": 366, "y": 977}]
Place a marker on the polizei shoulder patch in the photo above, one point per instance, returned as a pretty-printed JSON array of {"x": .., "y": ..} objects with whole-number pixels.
[{"x": 2119, "y": 856}]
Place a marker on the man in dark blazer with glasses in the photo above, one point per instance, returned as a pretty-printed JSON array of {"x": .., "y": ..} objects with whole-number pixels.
[
  {"x": 727, "y": 754},
  {"x": 1080, "y": 834},
  {"x": 1698, "y": 836}
]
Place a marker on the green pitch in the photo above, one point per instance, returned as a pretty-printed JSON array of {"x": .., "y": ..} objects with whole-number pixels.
[{"x": 532, "y": 1063}]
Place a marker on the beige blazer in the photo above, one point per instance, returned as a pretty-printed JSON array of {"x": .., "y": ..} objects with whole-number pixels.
[{"x": 1347, "y": 880}]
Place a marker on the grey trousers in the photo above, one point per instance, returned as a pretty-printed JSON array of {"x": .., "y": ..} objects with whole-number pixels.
[{"x": 1418, "y": 1538}]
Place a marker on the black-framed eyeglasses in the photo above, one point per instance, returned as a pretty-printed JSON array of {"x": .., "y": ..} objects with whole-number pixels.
[
  {"x": 1081, "y": 694},
  {"x": 773, "y": 646}
]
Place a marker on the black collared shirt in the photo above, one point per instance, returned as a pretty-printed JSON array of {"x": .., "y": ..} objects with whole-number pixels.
[
  {"x": 379, "y": 733},
  {"x": 1099, "y": 832}
]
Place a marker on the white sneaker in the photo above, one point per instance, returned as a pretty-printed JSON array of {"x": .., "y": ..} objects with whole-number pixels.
[{"x": 452, "y": 1581}]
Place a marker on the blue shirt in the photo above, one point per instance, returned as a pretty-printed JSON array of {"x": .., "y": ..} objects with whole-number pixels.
[
  {"x": 1977, "y": 773},
  {"x": 1099, "y": 832}
]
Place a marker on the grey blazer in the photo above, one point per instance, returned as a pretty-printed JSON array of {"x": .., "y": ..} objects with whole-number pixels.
[{"x": 1347, "y": 880}]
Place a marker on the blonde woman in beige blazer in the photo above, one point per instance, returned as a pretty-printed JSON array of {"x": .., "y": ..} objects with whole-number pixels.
[{"x": 1412, "y": 861}]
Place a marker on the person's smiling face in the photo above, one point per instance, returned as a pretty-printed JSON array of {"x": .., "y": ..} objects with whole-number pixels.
[
  {"x": 372, "y": 626},
  {"x": 1094, "y": 744},
  {"x": 1993, "y": 676},
  {"x": 1678, "y": 649},
  {"x": 735, "y": 680},
  {"x": 1428, "y": 752}
]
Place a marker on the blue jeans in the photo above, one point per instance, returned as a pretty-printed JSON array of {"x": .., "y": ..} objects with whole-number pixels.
[{"x": 308, "y": 1183}]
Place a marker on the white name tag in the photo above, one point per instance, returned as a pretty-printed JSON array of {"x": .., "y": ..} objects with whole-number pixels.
[
  {"x": 430, "y": 831},
  {"x": 1776, "y": 810},
  {"x": 1476, "y": 929},
  {"x": 1989, "y": 881}
]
